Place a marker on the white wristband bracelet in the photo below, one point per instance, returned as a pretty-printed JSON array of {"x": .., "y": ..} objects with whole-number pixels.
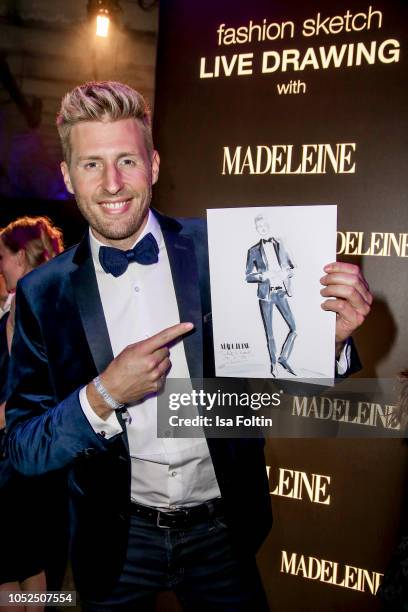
[{"x": 112, "y": 403}]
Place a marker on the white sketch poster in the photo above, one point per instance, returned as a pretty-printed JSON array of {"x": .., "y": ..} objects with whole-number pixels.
[{"x": 265, "y": 268}]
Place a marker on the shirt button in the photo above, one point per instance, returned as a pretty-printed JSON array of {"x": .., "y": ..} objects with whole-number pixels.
[
  {"x": 174, "y": 473},
  {"x": 103, "y": 434},
  {"x": 137, "y": 289}
]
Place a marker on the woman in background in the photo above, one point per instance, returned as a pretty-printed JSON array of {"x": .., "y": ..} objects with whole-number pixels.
[{"x": 24, "y": 245}]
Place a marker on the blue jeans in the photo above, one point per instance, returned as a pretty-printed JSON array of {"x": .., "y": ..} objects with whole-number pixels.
[{"x": 197, "y": 563}]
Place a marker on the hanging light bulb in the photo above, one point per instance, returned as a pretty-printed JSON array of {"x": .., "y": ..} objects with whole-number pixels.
[
  {"x": 105, "y": 14},
  {"x": 102, "y": 23}
]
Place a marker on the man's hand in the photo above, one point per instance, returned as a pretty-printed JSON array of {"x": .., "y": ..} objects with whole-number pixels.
[
  {"x": 140, "y": 369},
  {"x": 346, "y": 283}
]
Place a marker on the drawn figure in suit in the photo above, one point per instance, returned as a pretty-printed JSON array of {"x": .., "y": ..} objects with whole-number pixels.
[{"x": 269, "y": 265}]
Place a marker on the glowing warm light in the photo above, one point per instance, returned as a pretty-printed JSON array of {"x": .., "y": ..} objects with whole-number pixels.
[{"x": 102, "y": 25}]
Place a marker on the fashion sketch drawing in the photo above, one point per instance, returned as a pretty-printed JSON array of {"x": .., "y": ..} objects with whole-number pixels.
[{"x": 271, "y": 268}]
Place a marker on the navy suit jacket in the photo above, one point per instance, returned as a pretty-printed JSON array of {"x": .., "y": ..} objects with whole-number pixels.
[{"x": 60, "y": 343}]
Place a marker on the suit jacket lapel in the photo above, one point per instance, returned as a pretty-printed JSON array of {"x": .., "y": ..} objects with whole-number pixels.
[
  {"x": 263, "y": 255},
  {"x": 276, "y": 246},
  {"x": 89, "y": 303},
  {"x": 184, "y": 270},
  {"x": 85, "y": 286}
]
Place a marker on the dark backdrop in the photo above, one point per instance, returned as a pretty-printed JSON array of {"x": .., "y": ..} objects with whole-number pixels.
[{"x": 194, "y": 120}]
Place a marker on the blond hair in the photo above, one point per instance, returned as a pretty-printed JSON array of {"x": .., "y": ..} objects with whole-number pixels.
[
  {"x": 102, "y": 101},
  {"x": 37, "y": 236}
]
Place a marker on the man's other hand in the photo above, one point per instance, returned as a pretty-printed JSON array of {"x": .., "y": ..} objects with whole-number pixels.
[
  {"x": 352, "y": 298},
  {"x": 140, "y": 369}
]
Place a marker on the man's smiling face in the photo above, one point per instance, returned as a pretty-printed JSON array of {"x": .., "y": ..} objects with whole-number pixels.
[{"x": 111, "y": 174}]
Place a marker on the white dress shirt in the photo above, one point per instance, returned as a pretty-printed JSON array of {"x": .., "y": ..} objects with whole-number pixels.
[
  {"x": 166, "y": 472},
  {"x": 276, "y": 274}
]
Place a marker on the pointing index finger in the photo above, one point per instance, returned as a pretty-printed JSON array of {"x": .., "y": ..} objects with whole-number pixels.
[{"x": 166, "y": 336}]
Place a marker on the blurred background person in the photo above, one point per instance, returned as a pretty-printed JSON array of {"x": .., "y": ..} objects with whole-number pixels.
[
  {"x": 24, "y": 245},
  {"x": 5, "y": 297}
]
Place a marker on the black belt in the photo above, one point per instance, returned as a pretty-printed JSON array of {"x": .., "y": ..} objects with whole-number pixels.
[
  {"x": 182, "y": 518},
  {"x": 275, "y": 288}
]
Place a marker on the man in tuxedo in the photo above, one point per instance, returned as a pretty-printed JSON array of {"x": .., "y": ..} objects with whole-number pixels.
[
  {"x": 97, "y": 331},
  {"x": 269, "y": 265}
]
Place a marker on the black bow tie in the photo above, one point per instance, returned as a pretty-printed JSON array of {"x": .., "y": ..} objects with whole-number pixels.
[
  {"x": 268, "y": 240},
  {"x": 115, "y": 261}
]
